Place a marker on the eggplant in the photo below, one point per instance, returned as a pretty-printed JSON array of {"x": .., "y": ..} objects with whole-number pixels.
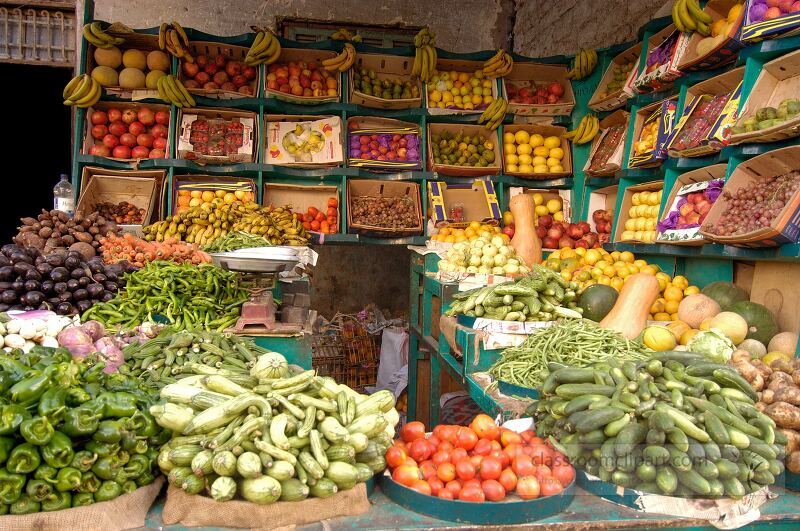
[
  {"x": 77, "y": 273},
  {"x": 4, "y": 261},
  {"x": 72, "y": 262},
  {"x": 72, "y": 284},
  {"x": 44, "y": 268},
  {"x": 10, "y": 249},
  {"x": 4, "y": 307},
  {"x": 33, "y": 285},
  {"x": 20, "y": 256},
  {"x": 7, "y": 273},
  {"x": 59, "y": 274},
  {"x": 8, "y": 296},
  {"x": 18, "y": 285},
  {"x": 47, "y": 286},
  {"x": 39, "y": 260},
  {"x": 80, "y": 294},
  {"x": 95, "y": 266},
  {"x": 64, "y": 308},
  {"x": 56, "y": 259},
  {"x": 95, "y": 290},
  {"x": 65, "y": 297},
  {"x": 54, "y": 301},
  {"x": 107, "y": 296},
  {"x": 84, "y": 281},
  {"x": 111, "y": 286},
  {"x": 5, "y": 285},
  {"x": 32, "y": 298},
  {"x": 99, "y": 277},
  {"x": 20, "y": 268},
  {"x": 60, "y": 287},
  {"x": 110, "y": 276},
  {"x": 83, "y": 305},
  {"x": 32, "y": 274}
]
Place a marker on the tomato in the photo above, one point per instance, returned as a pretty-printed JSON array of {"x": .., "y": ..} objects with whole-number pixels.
[
  {"x": 482, "y": 447},
  {"x": 395, "y": 456},
  {"x": 484, "y": 427},
  {"x": 453, "y": 486},
  {"x": 99, "y": 118},
  {"x": 474, "y": 482},
  {"x": 410, "y": 431},
  {"x": 496, "y": 446},
  {"x": 465, "y": 469},
  {"x": 522, "y": 466},
  {"x": 436, "y": 485},
  {"x": 457, "y": 454},
  {"x": 472, "y": 494},
  {"x": 315, "y": 225},
  {"x": 445, "y": 446},
  {"x": 419, "y": 450},
  {"x": 527, "y": 487},
  {"x": 491, "y": 467},
  {"x": 527, "y": 435},
  {"x": 448, "y": 433},
  {"x": 560, "y": 459},
  {"x": 434, "y": 440},
  {"x": 540, "y": 454},
  {"x": 333, "y": 202},
  {"x": 551, "y": 486},
  {"x": 445, "y": 494},
  {"x": 493, "y": 490},
  {"x": 565, "y": 474},
  {"x": 427, "y": 469},
  {"x": 476, "y": 461},
  {"x": 438, "y": 458},
  {"x": 509, "y": 437},
  {"x": 320, "y": 217},
  {"x": 536, "y": 440},
  {"x": 446, "y": 472},
  {"x": 313, "y": 212},
  {"x": 466, "y": 438},
  {"x": 504, "y": 460},
  {"x": 508, "y": 479},
  {"x": 541, "y": 472},
  {"x": 406, "y": 474},
  {"x": 513, "y": 450},
  {"x": 437, "y": 431},
  {"x": 331, "y": 213},
  {"x": 422, "y": 487}
]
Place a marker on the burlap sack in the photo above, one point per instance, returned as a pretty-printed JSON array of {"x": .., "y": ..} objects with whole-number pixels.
[
  {"x": 200, "y": 511},
  {"x": 126, "y": 512}
]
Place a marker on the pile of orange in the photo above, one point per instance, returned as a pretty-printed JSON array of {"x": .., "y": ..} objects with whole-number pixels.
[
  {"x": 192, "y": 198},
  {"x": 469, "y": 233}
]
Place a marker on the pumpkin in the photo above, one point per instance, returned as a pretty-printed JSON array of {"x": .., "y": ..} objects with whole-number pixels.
[
  {"x": 270, "y": 365},
  {"x": 731, "y": 324},
  {"x": 695, "y": 309},
  {"x": 597, "y": 300},
  {"x": 760, "y": 321},
  {"x": 526, "y": 242},
  {"x": 630, "y": 312},
  {"x": 785, "y": 342},
  {"x": 725, "y": 293}
]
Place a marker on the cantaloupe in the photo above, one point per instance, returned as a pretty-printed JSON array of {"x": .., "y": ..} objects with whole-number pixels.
[
  {"x": 732, "y": 325},
  {"x": 131, "y": 78},
  {"x": 106, "y": 76},
  {"x": 134, "y": 59},
  {"x": 785, "y": 342},
  {"x": 110, "y": 57},
  {"x": 158, "y": 60},
  {"x": 151, "y": 81},
  {"x": 694, "y": 309},
  {"x": 755, "y": 347}
]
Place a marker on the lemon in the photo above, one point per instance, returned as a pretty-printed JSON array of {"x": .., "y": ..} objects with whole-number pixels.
[
  {"x": 558, "y": 216},
  {"x": 630, "y": 224},
  {"x": 558, "y": 168},
  {"x": 637, "y": 235},
  {"x": 554, "y": 205},
  {"x": 627, "y": 235},
  {"x": 513, "y": 168},
  {"x": 508, "y": 138},
  {"x": 487, "y": 83},
  {"x": 538, "y": 199},
  {"x": 632, "y": 212},
  {"x": 509, "y": 149},
  {"x": 541, "y": 151},
  {"x": 477, "y": 99},
  {"x": 636, "y": 199},
  {"x": 541, "y": 210},
  {"x": 487, "y": 99},
  {"x": 552, "y": 142},
  {"x": 650, "y": 224},
  {"x": 526, "y": 168},
  {"x": 733, "y": 13},
  {"x": 512, "y": 158},
  {"x": 639, "y": 224},
  {"x": 542, "y": 168},
  {"x": 536, "y": 140},
  {"x": 522, "y": 137},
  {"x": 436, "y": 96},
  {"x": 538, "y": 161},
  {"x": 523, "y": 149},
  {"x": 557, "y": 153},
  {"x": 553, "y": 162},
  {"x": 525, "y": 159}
]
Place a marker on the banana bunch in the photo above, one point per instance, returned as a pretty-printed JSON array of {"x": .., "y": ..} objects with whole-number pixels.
[
  {"x": 344, "y": 34},
  {"x": 584, "y": 64},
  {"x": 201, "y": 224},
  {"x": 171, "y": 90},
  {"x": 688, "y": 17},
  {"x": 585, "y": 131},
  {"x": 494, "y": 114},
  {"x": 94, "y": 34},
  {"x": 499, "y": 65},
  {"x": 425, "y": 59},
  {"x": 265, "y": 49},
  {"x": 343, "y": 61},
  {"x": 173, "y": 38},
  {"x": 278, "y": 225},
  {"x": 82, "y": 91}
]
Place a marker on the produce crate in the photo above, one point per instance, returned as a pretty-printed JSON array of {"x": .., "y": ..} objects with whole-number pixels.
[
  {"x": 245, "y": 153},
  {"x": 142, "y": 191},
  {"x": 389, "y": 67},
  {"x": 785, "y": 228},
  {"x": 211, "y": 50},
  {"x": 545, "y": 131},
  {"x": 725, "y": 47},
  {"x": 756, "y": 29},
  {"x": 656, "y": 78},
  {"x": 375, "y": 125},
  {"x": 525, "y": 75},
  {"x": 601, "y": 101},
  {"x": 613, "y": 162},
  {"x": 475, "y": 202},
  {"x": 133, "y": 41},
  {"x": 374, "y": 188},
  {"x": 345, "y": 351},
  {"x": 602, "y": 199},
  {"x": 664, "y": 112},
  {"x": 299, "y": 197},
  {"x": 458, "y": 65},
  {"x": 466, "y": 130},
  {"x": 691, "y": 181},
  {"x": 779, "y": 79},
  {"x": 627, "y": 203},
  {"x": 281, "y": 128},
  {"x": 37, "y": 37},
  {"x": 209, "y": 183},
  {"x": 89, "y": 140},
  {"x": 297, "y": 55}
]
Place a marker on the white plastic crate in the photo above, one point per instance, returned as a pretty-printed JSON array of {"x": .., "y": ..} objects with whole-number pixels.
[{"x": 34, "y": 36}]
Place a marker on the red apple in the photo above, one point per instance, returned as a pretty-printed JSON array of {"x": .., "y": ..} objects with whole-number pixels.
[
  {"x": 509, "y": 231},
  {"x": 110, "y": 141},
  {"x": 114, "y": 114},
  {"x": 220, "y": 60},
  {"x": 591, "y": 238},
  {"x": 99, "y": 117},
  {"x": 566, "y": 241},
  {"x": 117, "y": 128},
  {"x": 129, "y": 116},
  {"x": 546, "y": 221},
  {"x": 239, "y": 80},
  {"x": 597, "y": 215},
  {"x": 201, "y": 60},
  {"x": 541, "y": 232},
  {"x": 99, "y": 131},
  {"x": 246, "y": 89},
  {"x": 100, "y": 150},
  {"x": 160, "y": 143},
  {"x": 600, "y": 226},
  {"x": 140, "y": 152},
  {"x": 228, "y": 86},
  {"x": 555, "y": 88},
  {"x": 574, "y": 232},
  {"x": 555, "y": 233},
  {"x": 549, "y": 243},
  {"x": 210, "y": 69},
  {"x": 145, "y": 139},
  {"x": 162, "y": 117},
  {"x": 128, "y": 139},
  {"x": 146, "y": 116},
  {"x": 525, "y": 92},
  {"x": 157, "y": 154},
  {"x": 159, "y": 131},
  {"x": 190, "y": 69},
  {"x": 121, "y": 152},
  {"x": 584, "y": 226},
  {"x": 582, "y": 243},
  {"x": 250, "y": 72},
  {"x": 233, "y": 68},
  {"x": 703, "y": 207},
  {"x": 795, "y": 7},
  {"x": 191, "y": 84},
  {"x": 785, "y": 5},
  {"x": 136, "y": 128},
  {"x": 220, "y": 78},
  {"x": 211, "y": 86}
]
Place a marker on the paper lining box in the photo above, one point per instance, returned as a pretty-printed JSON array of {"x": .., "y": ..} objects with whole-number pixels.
[
  {"x": 456, "y": 205},
  {"x": 660, "y": 119},
  {"x": 756, "y": 29},
  {"x": 664, "y": 51},
  {"x": 236, "y": 134},
  {"x": 689, "y": 183},
  {"x": 528, "y": 75},
  {"x": 295, "y": 141},
  {"x": 624, "y": 210},
  {"x": 608, "y": 147}
]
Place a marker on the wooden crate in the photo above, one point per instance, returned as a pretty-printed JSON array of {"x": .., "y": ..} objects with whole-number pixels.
[
  {"x": 133, "y": 41},
  {"x": 126, "y": 187},
  {"x": 526, "y": 75},
  {"x": 375, "y": 188},
  {"x": 545, "y": 131},
  {"x": 210, "y": 182},
  {"x": 300, "y": 197},
  {"x": 664, "y": 130},
  {"x": 601, "y": 101},
  {"x": 465, "y": 171},
  {"x": 211, "y": 50},
  {"x": 726, "y": 49},
  {"x": 709, "y": 173},
  {"x": 303, "y": 54},
  {"x": 89, "y": 140},
  {"x": 627, "y": 202},
  {"x": 386, "y": 67},
  {"x": 357, "y": 124},
  {"x": 184, "y": 146}
]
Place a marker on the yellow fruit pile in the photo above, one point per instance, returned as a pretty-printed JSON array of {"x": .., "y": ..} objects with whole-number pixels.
[
  {"x": 193, "y": 198},
  {"x": 460, "y": 90},
  {"x": 470, "y": 233},
  {"x": 598, "y": 266},
  {"x": 642, "y": 217},
  {"x": 532, "y": 153}
]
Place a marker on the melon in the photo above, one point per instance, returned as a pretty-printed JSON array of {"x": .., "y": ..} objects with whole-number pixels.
[
  {"x": 151, "y": 80},
  {"x": 132, "y": 78},
  {"x": 695, "y": 309},
  {"x": 158, "y": 60},
  {"x": 731, "y": 324},
  {"x": 725, "y": 293},
  {"x": 110, "y": 57},
  {"x": 785, "y": 342},
  {"x": 597, "y": 300},
  {"x": 755, "y": 347},
  {"x": 761, "y": 324},
  {"x": 106, "y": 76},
  {"x": 134, "y": 59}
]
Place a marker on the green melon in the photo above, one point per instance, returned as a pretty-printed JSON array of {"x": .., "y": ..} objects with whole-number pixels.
[
  {"x": 725, "y": 293},
  {"x": 597, "y": 300},
  {"x": 761, "y": 322}
]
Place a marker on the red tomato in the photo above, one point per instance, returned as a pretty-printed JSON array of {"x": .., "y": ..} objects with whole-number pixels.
[
  {"x": 320, "y": 217},
  {"x": 560, "y": 459},
  {"x": 410, "y": 461},
  {"x": 466, "y": 438},
  {"x": 496, "y": 446},
  {"x": 540, "y": 454},
  {"x": 509, "y": 437},
  {"x": 513, "y": 450},
  {"x": 527, "y": 435},
  {"x": 453, "y": 486},
  {"x": 434, "y": 440},
  {"x": 436, "y": 485},
  {"x": 565, "y": 474},
  {"x": 472, "y": 494},
  {"x": 419, "y": 450},
  {"x": 528, "y": 487},
  {"x": 331, "y": 213},
  {"x": 504, "y": 460},
  {"x": 333, "y": 202},
  {"x": 401, "y": 444},
  {"x": 437, "y": 431},
  {"x": 427, "y": 469},
  {"x": 438, "y": 458},
  {"x": 410, "y": 431},
  {"x": 484, "y": 427},
  {"x": 482, "y": 447},
  {"x": 406, "y": 475},
  {"x": 493, "y": 490},
  {"x": 315, "y": 225},
  {"x": 537, "y": 440},
  {"x": 422, "y": 487},
  {"x": 395, "y": 456},
  {"x": 508, "y": 479},
  {"x": 541, "y": 472},
  {"x": 465, "y": 469},
  {"x": 522, "y": 466},
  {"x": 476, "y": 461},
  {"x": 474, "y": 482},
  {"x": 314, "y": 211},
  {"x": 551, "y": 486},
  {"x": 446, "y": 472},
  {"x": 445, "y": 446},
  {"x": 457, "y": 454},
  {"x": 445, "y": 494},
  {"x": 491, "y": 467}
]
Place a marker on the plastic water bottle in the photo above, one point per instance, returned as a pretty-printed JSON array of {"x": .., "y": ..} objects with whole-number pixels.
[{"x": 63, "y": 196}]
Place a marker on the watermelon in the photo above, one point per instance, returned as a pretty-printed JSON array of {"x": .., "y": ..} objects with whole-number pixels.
[
  {"x": 725, "y": 293},
  {"x": 597, "y": 300},
  {"x": 761, "y": 323}
]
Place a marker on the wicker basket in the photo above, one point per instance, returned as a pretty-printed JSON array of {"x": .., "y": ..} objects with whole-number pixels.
[{"x": 346, "y": 352}]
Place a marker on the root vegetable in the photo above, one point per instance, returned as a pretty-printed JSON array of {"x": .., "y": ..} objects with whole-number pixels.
[
  {"x": 785, "y": 415},
  {"x": 779, "y": 379},
  {"x": 793, "y": 462},
  {"x": 793, "y": 439},
  {"x": 740, "y": 355},
  {"x": 767, "y": 397},
  {"x": 782, "y": 365},
  {"x": 790, "y": 395}
]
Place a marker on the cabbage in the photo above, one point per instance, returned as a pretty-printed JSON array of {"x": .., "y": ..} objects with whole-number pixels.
[{"x": 713, "y": 344}]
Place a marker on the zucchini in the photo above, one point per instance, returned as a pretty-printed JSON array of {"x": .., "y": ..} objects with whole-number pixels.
[
  {"x": 316, "y": 449},
  {"x": 717, "y": 488},
  {"x": 646, "y": 472},
  {"x": 631, "y": 435},
  {"x": 277, "y": 431},
  {"x": 341, "y": 473},
  {"x": 323, "y": 488},
  {"x": 583, "y": 402},
  {"x": 692, "y": 480},
  {"x": 733, "y": 488},
  {"x": 613, "y": 428},
  {"x": 655, "y": 437},
  {"x": 281, "y": 470},
  {"x": 738, "y": 439},
  {"x": 293, "y": 489},
  {"x": 311, "y": 465},
  {"x": 678, "y": 460},
  {"x": 331, "y": 429},
  {"x": 364, "y": 472},
  {"x": 623, "y": 479},
  {"x": 592, "y": 438},
  {"x": 370, "y": 425},
  {"x": 571, "y": 391},
  {"x": 657, "y": 455},
  {"x": 666, "y": 480},
  {"x": 341, "y": 452},
  {"x": 592, "y": 420},
  {"x": 712, "y": 451}
]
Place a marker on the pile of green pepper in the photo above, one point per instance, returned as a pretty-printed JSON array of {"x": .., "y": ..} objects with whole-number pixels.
[{"x": 70, "y": 434}]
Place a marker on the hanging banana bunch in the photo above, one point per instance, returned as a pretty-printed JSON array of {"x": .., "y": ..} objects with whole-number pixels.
[
  {"x": 584, "y": 65},
  {"x": 172, "y": 38},
  {"x": 344, "y": 34},
  {"x": 94, "y": 34},
  {"x": 425, "y": 59},
  {"x": 587, "y": 129},
  {"x": 499, "y": 65},
  {"x": 688, "y": 17},
  {"x": 266, "y": 48},
  {"x": 171, "y": 90},
  {"x": 343, "y": 61},
  {"x": 82, "y": 91},
  {"x": 494, "y": 114}
]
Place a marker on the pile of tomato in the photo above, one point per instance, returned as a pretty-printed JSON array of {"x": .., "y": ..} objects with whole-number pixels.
[{"x": 476, "y": 463}]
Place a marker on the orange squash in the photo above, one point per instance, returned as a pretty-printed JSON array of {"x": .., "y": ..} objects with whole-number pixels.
[
  {"x": 630, "y": 312},
  {"x": 525, "y": 242}
]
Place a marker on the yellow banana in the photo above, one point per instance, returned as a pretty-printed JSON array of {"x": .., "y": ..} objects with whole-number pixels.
[
  {"x": 424, "y": 65},
  {"x": 187, "y": 98},
  {"x": 71, "y": 86},
  {"x": 686, "y": 18},
  {"x": 181, "y": 33},
  {"x": 162, "y": 93},
  {"x": 162, "y": 36},
  {"x": 416, "y": 68},
  {"x": 693, "y": 8},
  {"x": 494, "y": 59},
  {"x": 275, "y": 55},
  {"x": 702, "y": 28},
  {"x": 92, "y": 96},
  {"x": 98, "y": 32},
  {"x": 257, "y": 45},
  {"x": 92, "y": 39},
  {"x": 590, "y": 132},
  {"x": 171, "y": 95},
  {"x": 82, "y": 90},
  {"x": 350, "y": 57},
  {"x": 577, "y": 133},
  {"x": 174, "y": 40}
]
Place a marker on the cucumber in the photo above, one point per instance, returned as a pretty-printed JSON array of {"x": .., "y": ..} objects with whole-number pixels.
[
  {"x": 726, "y": 469},
  {"x": 666, "y": 480},
  {"x": 678, "y": 439},
  {"x": 764, "y": 477},
  {"x": 684, "y": 422},
  {"x": 657, "y": 455},
  {"x": 597, "y": 418},
  {"x": 738, "y": 439},
  {"x": 623, "y": 479},
  {"x": 573, "y": 375},
  {"x": 646, "y": 472},
  {"x": 575, "y": 390},
  {"x": 754, "y": 461},
  {"x": 631, "y": 435},
  {"x": 604, "y": 475},
  {"x": 733, "y": 488},
  {"x": 661, "y": 421},
  {"x": 628, "y": 463},
  {"x": 729, "y": 452},
  {"x": 705, "y": 368},
  {"x": 684, "y": 358},
  {"x": 592, "y": 438},
  {"x": 654, "y": 368},
  {"x": 776, "y": 467},
  {"x": 744, "y": 472},
  {"x": 608, "y": 458},
  {"x": 733, "y": 380},
  {"x": 583, "y": 402},
  {"x": 761, "y": 448},
  {"x": 678, "y": 460},
  {"x": 693, "y": 481},
  {"x": 613, "y": 428},
  {"x": 650, "y": 487},
  {"x": 715, "y": 428},
  {"x": 717, "y": 489},
  {"x": 707, "y": 469},
  {"x": 655, "y": 437},
  {"x": 712, "y": 451}
]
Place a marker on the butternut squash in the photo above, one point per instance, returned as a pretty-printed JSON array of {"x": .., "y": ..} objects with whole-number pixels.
[
  {"x": 526, "y": 242},
  {"x": 630, "y": 312}
]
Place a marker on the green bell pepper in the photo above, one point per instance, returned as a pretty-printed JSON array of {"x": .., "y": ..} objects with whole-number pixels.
[
  {"x": 10, "y": 486},
  {"x": 25, "y": 505},
  {"x": 81, "y": 421},
  {"x": 57, "y": 502},
  {"x": 23, "y": 459},
  {"x": 3, "y": 508},
  {"x": 144, "y": 424},
  {"x": 83, "y": 460},
  {"x": 30, "y": 388},
  {"x": 82, "y": 499},
  {"x": 38, "y": 489},
  {"x": 137, "y": 465},
  {"x": 58, "y": 452},
  {"x": 106, "y": 467},
  {"x": 94, "y": 374},
  {"x": 159, "y": 439},
  {"x": 93, "y": 389},
  {"x": 108, "y": 431},
  {"x": 133, "y": 444},
  {"x": 145, "y": 479},
  {"x": 117, "y": 404},
  {"x": 46, "y": 472},
  {"x": 37, "y": 430},
  {"x": 89, "y": 483},
  {"x": 122, "y": 458},
  {"x": 52, "y": 404},
  {"x": 68, "y": 479},
  {"x": 129, "y": 486},
  {"x": 13, "y": 368},
  {"x": 76, "y": 396},
  {"x": 6, "y": 445},
  {"x": 6, "y": 381},
  {"x": 108, "y": 491},
  {"x": 11, "y": 416},
  {"x": 102, "y": 449}
]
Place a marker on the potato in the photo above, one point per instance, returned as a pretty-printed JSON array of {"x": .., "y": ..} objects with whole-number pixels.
[
  {"x": 790, "y": 395},
  {"x": 793, "y": 462},
  {"x": 793, "y": 439},
  {"x": 767, "y": 397},
  {"x": 796, "y": 378},
  {"x": 785, "y": 415},
  {"x": 780, "y": 379},
  {"x": 782, "y": 365},
  {"x": 740, "y": 355}
]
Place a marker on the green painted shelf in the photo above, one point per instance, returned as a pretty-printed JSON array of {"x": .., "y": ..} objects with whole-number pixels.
[
  {"x": 641, "y": 174},
  {"x": 769, "y": 48},
  {"x": 340, "y": 238},
  {"x": 784, "y": 253},
  {"x": 753, "y": 149}
]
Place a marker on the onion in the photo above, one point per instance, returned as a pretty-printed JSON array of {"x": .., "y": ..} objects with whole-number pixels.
[{"x": 77, "y": 341}]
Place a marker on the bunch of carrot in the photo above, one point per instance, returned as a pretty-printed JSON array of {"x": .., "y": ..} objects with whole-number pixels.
[{"x": 138, "y": 251}]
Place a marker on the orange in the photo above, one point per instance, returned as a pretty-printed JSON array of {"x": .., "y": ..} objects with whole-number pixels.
[
  {"x": 566, "y": 275},
  {"x": 657, "y": 306},
  {"x": 649, "y": 269},
  {"x": 691, "y": 290},
  {"x": 673, "y": 293},
  {"x": 207, "y": 196},
  {"x": 662, "y": 317},
  {"x": 183, "y": 200},
  {"x": 672, "y": 306},
  {"x": 617, "y": 283},
  {"x": 626, "y": 256},
  {"x": 681, "y": 282}
]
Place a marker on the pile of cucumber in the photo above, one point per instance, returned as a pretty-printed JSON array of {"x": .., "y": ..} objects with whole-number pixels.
[{"x": 674, "y": 425}]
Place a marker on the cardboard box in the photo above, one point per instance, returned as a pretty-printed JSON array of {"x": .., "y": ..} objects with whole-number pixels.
[
  {"x": 627, "y": 203},
  {"x": 602, "y": 101},
  {"x": 211, "y": 50},
  {"x": 249, "y": 135},
  {"x": 661, "y": 118},
  {"x": 755, "y": 30},
  {"x": 300, "y": 197},
  {"x": 785, "y": 228},
  {"x": 718, "y": 134},
  {"x": 526, "y": 75},
  {"x": 726, "y": 49},
  {"x": 210, "y": 182},
  {"x": 602, "y": 199},
  {"x": 296, "y": 55},
  {"x": 689, "y": 182},
  {"x": 141, "y": 188},
  {"x": 779, "y": 79},
  {"x": 475, "y": 202},
  {"x": 608, "y": 145},
  {"x": 89, "y": 140},
  {"x": 374, "y": 188},
  {"x": 465, "y": 130},
  {"x": 386, "y": 67},
  {"x": 662, "y": 73},
  {"x": 133, "y": 41},
  {"x": 545, "y": 131},
  {"x": 369, "y": 125},
  {"x": 458, "y": 65},
  {"x": 281, "y": 131}
]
